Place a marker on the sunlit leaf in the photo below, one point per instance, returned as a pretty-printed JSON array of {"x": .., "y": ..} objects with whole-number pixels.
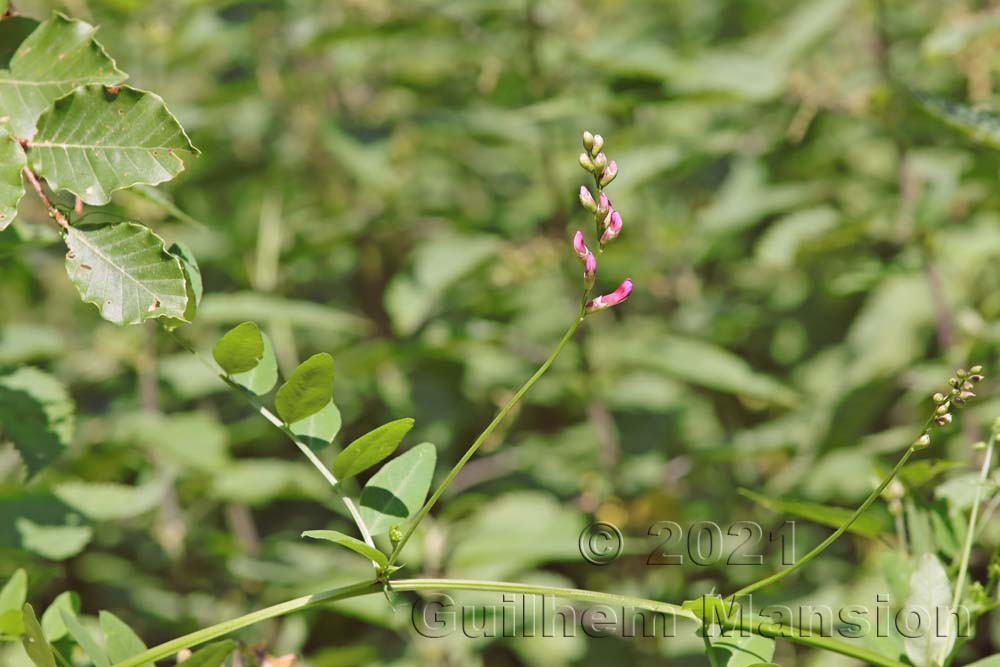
[
  {"x": 318, "y": 429},
  {"x": 370, "y": 448},
  {"x": 52, "y": 622},
  {"x": 398, "y": 489},
  {"x": 58, "y": 56},
  {"x": 11, "y": 183},
  {"x": 34, "y": 642},
  {"x": 120, "y": 640},
  {"x": 192, "y": 279},
  {"x": 124, "y": 270},
  {"x": 929, "y": 600},
  {"x": 351, "y": 543},
  {"x": 240, "y": 349},
  {"x": 736, "y": 650},
  {"x": 308, "y": 390},
  {"x": 96, "y": 140}
]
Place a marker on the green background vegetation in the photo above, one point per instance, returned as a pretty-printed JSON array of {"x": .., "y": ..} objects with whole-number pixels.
[{"x": 395, "y": 183}]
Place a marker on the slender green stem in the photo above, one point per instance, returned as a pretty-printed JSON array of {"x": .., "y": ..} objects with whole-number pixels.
[
  {"x": 371, "y": 587},
  {"x": 822, "y": 546},
  {"x": 483, "y": 436},
  {"x": 280, "y": 425},
  {"x": 713, "y": 661},
  {"x": 970, "y": 536},
  {"x": 218, "y": 630}
]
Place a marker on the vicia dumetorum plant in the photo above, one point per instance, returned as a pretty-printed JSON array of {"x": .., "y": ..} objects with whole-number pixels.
[{"x": 72, "y": 132}]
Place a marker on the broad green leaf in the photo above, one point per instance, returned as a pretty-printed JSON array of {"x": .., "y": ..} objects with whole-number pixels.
[
  {"x": 36, "y": 414},
  {"x": 124, "y": 270},
  {"x": 319, "y": 429},
  {"x": 735, "y": 650},
  {"x": 240, "y": 349},
  {"x": 398, "y": 489},
  {"x": 866, "y": 525},
  {"x": 60, "y": 55},
  {"x": 106, "y": 501},
  {"x": 34, "y": 642},
  {"x": 370, "y": 448},
  {"x": 14, "y": 592},
  {"x": 192, "y": 280},
  {"x": 52, "y": 542},
  {"x": 351, "y": 543},
  {"x": 981, "y": 126},
  {"x": 325, "y": 319},
  {"x": 52, "y": 622},
  {"x": 212, "y": 655},
  {"x": 11, "y": 182},
  {"x": 262, "y": 378},
  {"x": 308, "y": 390},
  {"x": 85, "y": 640},
  {"x": 514, "y": 532},
  {"x": 36, "y": 512},
  {"x": 929, "y": 600},
  {"x": 120, "y": 640},
  {"x": 12, "y": 597},
  {"x": 96, "y": 140}
]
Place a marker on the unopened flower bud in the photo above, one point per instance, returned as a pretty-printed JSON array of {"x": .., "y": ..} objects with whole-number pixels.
[
  {"x": 922, "y": 442},
  {"x": 954, "y": 382},
  {"x": 942, "y": 409},
  {"x": 589, "y": 270},
  {"x": 604, "y": 209},
  {"x": 600, "y": 162},
  {"x": 609, "y": 173},
  {"x": 613, "y": 229},
  {"x": 943, "y": 420},
  {"x": 587, "y": 199},
  {"x": 579, "y": 246},
  {"x": 598, "y": 144},
  {"x": 586, "y": 162},
  {"x": 961, "y": 373},
  {"x": 968, "y": 386},
  {"x": 606, "y": 301},
  {"x": 938, "y": 397},
  {"x": 976, "y": 369},
  {"x": 183, "y": 655},
  {"x": 588, "y": 141}
]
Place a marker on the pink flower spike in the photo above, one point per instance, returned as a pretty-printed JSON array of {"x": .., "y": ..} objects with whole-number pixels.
[
  {"x": 609, "y": 173},
  {"x": 613, "y": 229},
  {"x": 606, "y": 301},
  {"x": 590, "y": 270},
  {"x": 580, "y": 247}
]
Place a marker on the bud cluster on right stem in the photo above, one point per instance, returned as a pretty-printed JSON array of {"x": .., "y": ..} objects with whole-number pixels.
[
  {"x": 959, "y": 393},
  {"x": 608, "y": 222}
]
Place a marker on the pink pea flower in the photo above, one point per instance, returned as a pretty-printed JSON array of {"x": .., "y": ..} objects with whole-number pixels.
[
  {"x": 606, "y": 301},
  {"x": 609, "y": 173},
  {"x": 580, "y": 247},
  {"x": 613, "y": 228},
  {"x": 590, "y": 270},
  {"x": 587, "y": 199}
]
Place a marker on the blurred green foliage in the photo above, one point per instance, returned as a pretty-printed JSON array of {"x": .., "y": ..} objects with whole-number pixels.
[{"x": 395, "y": 184}]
